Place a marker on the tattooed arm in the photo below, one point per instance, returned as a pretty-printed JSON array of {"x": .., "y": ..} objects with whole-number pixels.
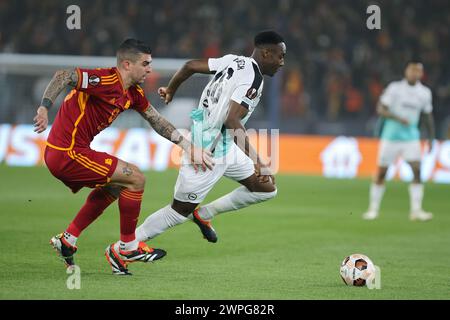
[
  {"x": 165, "y": 128},
  {"x": 60, "y": 80},
  {"x": 198, "y": 156}
]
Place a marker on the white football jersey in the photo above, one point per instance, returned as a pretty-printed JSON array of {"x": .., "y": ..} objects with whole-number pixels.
[
  {"x": 236, "y": 78},
  {"x": 407, "y": 101}
]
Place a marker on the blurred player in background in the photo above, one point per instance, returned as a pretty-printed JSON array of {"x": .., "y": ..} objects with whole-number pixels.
[
  {"x": 401, "y": 105},
  {"x": 225, "y": 105},
  {"x": 97, "y": 98}
]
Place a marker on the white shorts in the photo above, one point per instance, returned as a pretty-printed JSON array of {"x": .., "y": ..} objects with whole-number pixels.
[
  {"x": 194, "y": 186},
  {"x": 391, "y": 150}
]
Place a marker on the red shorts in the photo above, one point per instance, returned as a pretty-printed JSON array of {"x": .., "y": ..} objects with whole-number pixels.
[{"x": 78, "y": 168}]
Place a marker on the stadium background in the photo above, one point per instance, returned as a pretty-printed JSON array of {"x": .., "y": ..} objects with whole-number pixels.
[
  {"x": 323, "y": 99},
  {"x": 336, "y": 67}
]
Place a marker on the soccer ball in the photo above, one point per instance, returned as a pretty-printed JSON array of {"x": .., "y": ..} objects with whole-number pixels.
[{"x": 357, "y": 270}]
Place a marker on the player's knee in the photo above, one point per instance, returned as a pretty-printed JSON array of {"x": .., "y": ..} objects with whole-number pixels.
[
  {"x": 379, "y": 179},
  {"x": 272, "y": 189},
  {"x": 183, "y": 208},
  {"x": 273, "y": 194},
  {"x": 380, "y": 176},
  {"x": 264, "y": 196},
  {"x": 266, "y": 187},
  {"x": 416, "y": 178},
  {"x": 416, "y": 172},
  {"x": 137, "y": 180}
]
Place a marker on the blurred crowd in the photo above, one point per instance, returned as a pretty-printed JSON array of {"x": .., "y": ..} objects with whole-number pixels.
[{"x": 336, "y": 68}]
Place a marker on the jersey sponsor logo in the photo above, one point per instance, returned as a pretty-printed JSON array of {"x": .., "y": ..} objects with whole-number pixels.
[
  {"x": 192, "y": 196},
  {"x": 240, "y": 63},
  {"x": 94, "y": 80},
  {"x": 410, "y": 106},
  {"x": 251, "y": 93}
]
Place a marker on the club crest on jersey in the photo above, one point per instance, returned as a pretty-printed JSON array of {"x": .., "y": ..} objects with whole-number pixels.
[
  {"x": 94, "y": 80},
  {"x": 252, "y": 93}
]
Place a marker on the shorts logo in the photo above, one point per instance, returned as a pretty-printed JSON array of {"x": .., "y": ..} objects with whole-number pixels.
[
  {"x": 192, "y": 196},
  {"x": 251, "y": 93},
  {"x": 94, "y": 80},
  {"x": 108, "y": 161}
]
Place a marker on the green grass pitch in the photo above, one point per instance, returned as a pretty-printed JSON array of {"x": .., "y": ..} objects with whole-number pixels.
[{"x": 287, "y": 248}]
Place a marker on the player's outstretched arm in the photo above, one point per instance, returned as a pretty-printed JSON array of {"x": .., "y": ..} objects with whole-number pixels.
[
  {"x": 199, "y": 157},
  {"x": 60, "y": 80},
  {"x": 233, "y": 122},
  {"x": 189, "y": 68}
]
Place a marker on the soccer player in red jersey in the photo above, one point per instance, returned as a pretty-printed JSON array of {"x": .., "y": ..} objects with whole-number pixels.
[{"x": 97, "y": 98}]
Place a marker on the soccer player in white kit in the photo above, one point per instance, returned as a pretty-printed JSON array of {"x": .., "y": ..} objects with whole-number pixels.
[
  {"x": 226, "y": 103},
  {"x": 401, "y": 105}
]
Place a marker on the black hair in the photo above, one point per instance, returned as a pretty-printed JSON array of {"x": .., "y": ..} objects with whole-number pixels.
[
  {"x": 267, "y": 37},
  {"x": 414, "y": 59},
  {"x": 131, "y": 48}
]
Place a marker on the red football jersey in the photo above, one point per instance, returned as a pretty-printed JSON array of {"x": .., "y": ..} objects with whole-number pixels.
[{"x": 97, "y": 100}]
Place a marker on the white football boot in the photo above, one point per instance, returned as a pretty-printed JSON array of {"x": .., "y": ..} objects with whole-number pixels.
[
  {"x": 420, "y": 215},
  {"x": 370, "y": 215}
]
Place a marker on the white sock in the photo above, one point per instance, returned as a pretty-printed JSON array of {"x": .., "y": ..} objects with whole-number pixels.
[
  {"x": 376, "y": 195},
  {"x": 237, "y": 199},
  {"x": 416, "y": 196},
  {"x": 159, "y": 222},
  {"x": 128, "y": 246},
  {"x": 70, "y": 238}
]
